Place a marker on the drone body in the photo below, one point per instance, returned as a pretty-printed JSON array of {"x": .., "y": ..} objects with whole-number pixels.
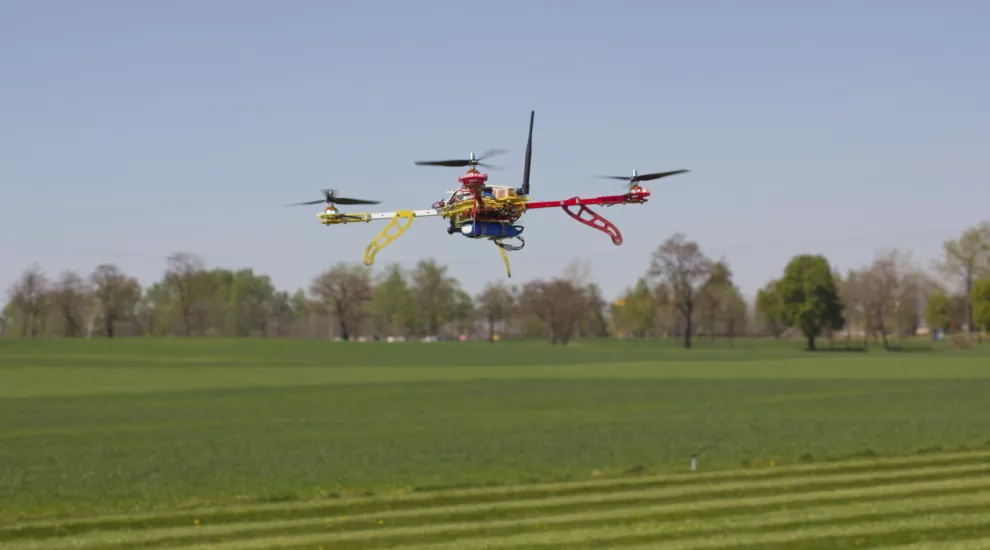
[{"x": 478, "y": 210}]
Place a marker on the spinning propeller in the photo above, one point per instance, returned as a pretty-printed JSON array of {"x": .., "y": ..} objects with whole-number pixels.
[
  {"x": 472, "y": 162},
  {"x": 330, "y": 197},
  {"x": 636, "y": 178}
]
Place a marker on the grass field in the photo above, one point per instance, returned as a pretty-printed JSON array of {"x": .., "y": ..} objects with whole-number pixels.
[{"x": 301, "y": 444}]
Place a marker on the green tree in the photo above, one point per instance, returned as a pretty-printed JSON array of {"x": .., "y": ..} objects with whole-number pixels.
[
  {"x": 938, "y": 310},
  {"x": 436, "y": 295},
  {"x": 733, "y": 313},
  {"x": 634, "y": 312},
  {"x": 965, "y": 259},
  {"x": 251, "y": 303},
  {"x": 811, "y": 297},
  {"x": 463, "y": 312},
  {"x": 771, "y": 309},
  {"x": 392, "y": 309},
  {"x": 981, "y": 303},
  {"x": 713, "y": 296},
  {"x": 189, "y": 285}
]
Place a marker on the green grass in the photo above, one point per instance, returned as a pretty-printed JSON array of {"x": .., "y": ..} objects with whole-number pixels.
[{"x": 270, "y": 444}]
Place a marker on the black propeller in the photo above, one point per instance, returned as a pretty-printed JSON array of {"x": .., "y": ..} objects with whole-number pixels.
[
  {"x": 330, "y": 197},
  {"x": 473, "y": 161},
  {"x": 636, "y": 177}
]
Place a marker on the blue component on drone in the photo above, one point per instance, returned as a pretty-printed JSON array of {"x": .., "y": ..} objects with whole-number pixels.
[{"x": 490, "y": 229}]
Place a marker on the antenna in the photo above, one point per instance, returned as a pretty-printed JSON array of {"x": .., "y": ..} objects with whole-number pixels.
[{"x": 524, "y": 190}]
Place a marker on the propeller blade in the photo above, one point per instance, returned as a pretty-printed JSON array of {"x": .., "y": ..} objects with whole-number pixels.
[
  {"x": 644, "y": 177},
  {"x": 492, "y": 153},
  {"x": 307, "y": 203},
  {"x": 658, "y": 175},
  {"x": 330, "y": 197},
  {"x": 353, "y": 201},
  {"x": 460, "y": 163},
  {"x": 454, "y": 163}
]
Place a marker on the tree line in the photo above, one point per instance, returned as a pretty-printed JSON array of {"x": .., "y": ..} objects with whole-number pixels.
[{"x": 684, "y": 294}]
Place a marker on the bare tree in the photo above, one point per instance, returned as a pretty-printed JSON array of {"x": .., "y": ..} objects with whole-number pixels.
[
  {"x": 911, "y": 289},
  {"x": 578, "y": 272},
  {"x": 885, "y": 296},
  {"x": 965, "y": 259},
  {"x": 713, "y": 296},
  {"x": 852, "y": 294},
  {"x": 594, "y": 324},
  {"x": 27, "y": 297},
  {"x": 281, "y": 316},
  {"x": 880, "y": 285},
  {"x": 495, "y": 304},
  {"x": 436, "y": 295},
  {"x": 184, "y": 278},
  {"x": 681, "y": 264},
  {"x": 117, "y": 293},
  {"x": 70, "y": 297},
  {"x": 559, "y": 303},
  {"x": 342, "y": 292}
]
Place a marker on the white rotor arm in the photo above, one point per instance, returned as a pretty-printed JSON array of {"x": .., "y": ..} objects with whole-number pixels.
[
  {"x": 333, "y": 218},
  {"x": 390, "y": 215}
]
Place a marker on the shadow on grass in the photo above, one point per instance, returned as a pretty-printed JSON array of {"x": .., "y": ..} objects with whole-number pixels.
[
  {"x": 893, "y": 348},
  {"x": 838, "y": 350},
  {"x": 910, "y": 349}
]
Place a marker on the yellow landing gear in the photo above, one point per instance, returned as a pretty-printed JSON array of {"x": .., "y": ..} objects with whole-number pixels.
[
  {"x": 502, "y": 247},
  {"x": 376, "y": 245},
  {"x": 505, "y": 258}
]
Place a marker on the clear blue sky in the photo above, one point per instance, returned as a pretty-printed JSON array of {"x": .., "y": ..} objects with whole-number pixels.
[{"x": 129, "y": 130}]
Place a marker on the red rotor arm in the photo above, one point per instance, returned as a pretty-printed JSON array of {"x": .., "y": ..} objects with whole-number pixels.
[
  {"x": 596, "y": 221},
  {"x": 608, "y": 200}
]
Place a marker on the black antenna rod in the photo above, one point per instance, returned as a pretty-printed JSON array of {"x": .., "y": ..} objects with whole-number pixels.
[{"x": 529, "y": 156}]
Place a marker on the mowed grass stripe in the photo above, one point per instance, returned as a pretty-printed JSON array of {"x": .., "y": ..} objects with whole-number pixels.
[
  {"x": 825, "y": 473},
  {"x": 938, "y": 537},
  {"x": 657, "y": 536},
  {"x": 716, "y": 514},
  {"x": 498, "y": 520},
  {"x": 974, "y": 493},
  {"x": 628, "y": 494},
  {"x": 981, "y": 543}
]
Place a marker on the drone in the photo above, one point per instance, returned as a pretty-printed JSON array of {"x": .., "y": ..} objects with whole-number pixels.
[{"x": 478, "y": 210}]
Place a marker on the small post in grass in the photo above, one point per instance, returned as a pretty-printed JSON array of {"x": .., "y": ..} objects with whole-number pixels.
[{"x": 694, "y": 461}]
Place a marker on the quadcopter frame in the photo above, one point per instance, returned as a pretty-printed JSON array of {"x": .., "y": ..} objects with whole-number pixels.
[
  {"x": 503, "y": 210},
  {"x": 487, "y": 207}
]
